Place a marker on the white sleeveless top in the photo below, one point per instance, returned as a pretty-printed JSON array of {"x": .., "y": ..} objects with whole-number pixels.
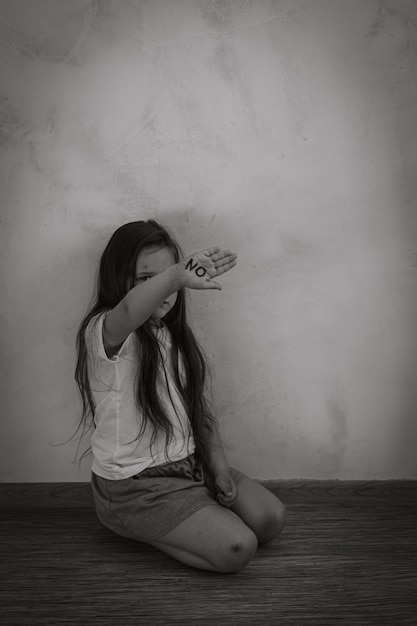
[{"x": 118, "y": 453}]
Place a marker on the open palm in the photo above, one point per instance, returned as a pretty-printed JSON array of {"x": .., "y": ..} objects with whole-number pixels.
[{"x": 199, "y": 269}]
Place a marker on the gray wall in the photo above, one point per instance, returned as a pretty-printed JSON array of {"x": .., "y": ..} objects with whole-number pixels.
[{"x": 284, "y": 130}]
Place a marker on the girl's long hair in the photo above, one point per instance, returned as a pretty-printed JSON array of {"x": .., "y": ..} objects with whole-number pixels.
[{"x": 117, "y": 271}]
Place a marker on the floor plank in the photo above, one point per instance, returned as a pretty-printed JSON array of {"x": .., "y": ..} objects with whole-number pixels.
[{"x": 346, "y": 556}]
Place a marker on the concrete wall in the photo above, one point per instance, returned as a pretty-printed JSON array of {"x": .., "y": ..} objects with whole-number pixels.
[{"x": 285, "y": 130}]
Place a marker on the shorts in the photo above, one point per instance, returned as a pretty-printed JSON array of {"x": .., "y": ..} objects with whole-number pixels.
[{"x": 147, "y": 506}]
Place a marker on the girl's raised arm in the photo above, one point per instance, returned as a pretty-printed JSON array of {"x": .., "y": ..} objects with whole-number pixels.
[{"x": 194, "y": 272}]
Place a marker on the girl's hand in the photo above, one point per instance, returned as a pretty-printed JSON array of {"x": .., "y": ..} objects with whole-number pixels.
[
  {"x": 198, "y": 270},
  {"x": 226, "y": 489}
]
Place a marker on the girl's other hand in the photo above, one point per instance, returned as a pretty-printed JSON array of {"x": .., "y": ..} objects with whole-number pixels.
[
  {"x": 198, "y": 270},
  {"x": 226, "y": 489}
]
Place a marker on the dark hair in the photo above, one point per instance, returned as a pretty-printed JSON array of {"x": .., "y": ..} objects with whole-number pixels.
[{"x": 116, "y": 277}]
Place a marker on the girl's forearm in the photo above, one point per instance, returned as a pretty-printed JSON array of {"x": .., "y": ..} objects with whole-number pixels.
[
  {"x": 216, "y": 458},
  {"x": 146, "y": 297}
]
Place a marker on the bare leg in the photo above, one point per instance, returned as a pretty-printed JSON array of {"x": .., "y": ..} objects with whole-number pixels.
[
  {"x": 213, "y": 538},
  {"x": 260, "y": 509}
]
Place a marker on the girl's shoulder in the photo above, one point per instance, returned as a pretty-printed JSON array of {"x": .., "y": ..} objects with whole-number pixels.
[
  {"x": 97, "y": 344},
  {"x": 94, "y": 329},
  {"x": 94, "y": 322}
]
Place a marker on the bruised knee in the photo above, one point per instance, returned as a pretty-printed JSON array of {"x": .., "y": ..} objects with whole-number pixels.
[
  {"x": 239, "y": 554},
  {"x": 237, "y": 547}
]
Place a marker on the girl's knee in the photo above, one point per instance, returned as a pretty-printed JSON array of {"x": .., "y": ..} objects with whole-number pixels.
[
  {"x": 271, "y": 523},
  {"x": 280, "y": 516},
  {"x": 237, "y": 554}
]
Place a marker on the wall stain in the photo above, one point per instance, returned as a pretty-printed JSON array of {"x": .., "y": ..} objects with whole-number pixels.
[
  {"x": 234, "y": 75},
  {"x": 331, "y": 454},
  {"x": 338, "y": 424},
  {"x": 10, "y": 121},
  {"x": 219, "y": 14},
  {"x": 378, "y": 25},
  {"x": 54, "y": 45},
  {"x": 389, "y": 11}
]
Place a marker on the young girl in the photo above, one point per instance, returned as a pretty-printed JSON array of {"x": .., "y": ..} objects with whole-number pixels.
[{"x": 159, "y": 472}]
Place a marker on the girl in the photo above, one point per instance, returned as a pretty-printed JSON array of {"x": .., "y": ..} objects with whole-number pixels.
[{"x": 159, "y": 472}]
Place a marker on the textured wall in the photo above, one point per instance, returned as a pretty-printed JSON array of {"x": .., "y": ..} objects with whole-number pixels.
[{"x": 285, "y": 130}]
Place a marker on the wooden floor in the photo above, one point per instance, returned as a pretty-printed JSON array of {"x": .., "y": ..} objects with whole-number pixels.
[{"x": 348, "y": 555}]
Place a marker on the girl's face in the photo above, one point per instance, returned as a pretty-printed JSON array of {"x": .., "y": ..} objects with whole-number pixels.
[{"x": 150, "y": 262}]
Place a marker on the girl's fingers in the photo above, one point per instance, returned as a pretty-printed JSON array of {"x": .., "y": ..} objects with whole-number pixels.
[
  {"x": 217, "y": 255},
  {"x": 226, "y": 254},
  {"x": 221, "y": 269},
  {"x": 211, "y": 284},
  {"x": 210, "y": 252},
  {"x": 227, "y": 493},
  {"x": 231, "y": 258}
]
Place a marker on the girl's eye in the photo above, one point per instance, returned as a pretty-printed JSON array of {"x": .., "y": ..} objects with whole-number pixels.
[{"x": 143, "y": 278}]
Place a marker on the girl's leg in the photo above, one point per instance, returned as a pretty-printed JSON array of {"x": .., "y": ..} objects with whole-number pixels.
[
  {"x": 263, "y": 512},
  {"x": 213, "y": 538}
]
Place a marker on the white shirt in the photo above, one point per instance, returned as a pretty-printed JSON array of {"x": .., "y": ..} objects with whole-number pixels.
[{"x": 118, "y": 453}]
